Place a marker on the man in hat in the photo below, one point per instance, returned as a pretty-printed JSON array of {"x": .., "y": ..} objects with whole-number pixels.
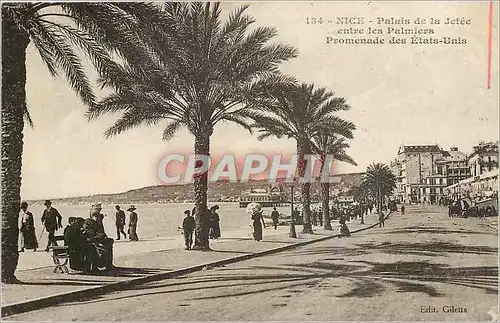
[
  {"x": 52, "y": 220},
  {"x": 132, "y": 224},
  {"x": 188, "y": 227},
  {"x": 120, "y": 222}
]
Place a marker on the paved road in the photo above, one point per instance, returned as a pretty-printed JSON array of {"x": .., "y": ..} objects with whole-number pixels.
[{"x": 421, "y": 266}]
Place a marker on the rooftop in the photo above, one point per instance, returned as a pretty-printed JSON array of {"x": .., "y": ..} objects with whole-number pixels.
[{"x": 419, "y": 149}]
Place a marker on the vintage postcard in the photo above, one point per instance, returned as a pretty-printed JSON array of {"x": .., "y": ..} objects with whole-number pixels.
[{"x": 250, "y": 161}]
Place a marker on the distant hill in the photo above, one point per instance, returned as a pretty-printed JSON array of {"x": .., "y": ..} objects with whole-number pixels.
[{"x": 219, "y": 191}]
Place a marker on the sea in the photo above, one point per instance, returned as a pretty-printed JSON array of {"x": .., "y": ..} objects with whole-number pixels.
[{"x": 155, "y": 220}]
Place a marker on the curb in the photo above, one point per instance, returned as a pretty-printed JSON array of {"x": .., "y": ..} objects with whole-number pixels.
[{"x": 47, "y": 301}]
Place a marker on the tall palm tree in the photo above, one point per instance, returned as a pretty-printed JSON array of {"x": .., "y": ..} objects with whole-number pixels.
[
  {"x": 381, "y": 181},
  {"x": 206, "y": 78},
  {"x": 59, "y": 32},
  {"x": 301, "y": 112},
  {"x": 328, "y": 143}
]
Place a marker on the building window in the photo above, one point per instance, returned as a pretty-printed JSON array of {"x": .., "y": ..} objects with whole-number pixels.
[{"x": 440, "y": 170}]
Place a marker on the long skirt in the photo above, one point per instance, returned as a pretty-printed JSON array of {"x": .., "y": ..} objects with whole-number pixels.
[
  {"x": 100, "y": 254},
  {"x": 215, "y": 230},
  {"x": 344, "y": 230},
  {"x": 132, "y": 231},
  {"x": 257, "y": 230},
  {"x": 29, "y": 238}
]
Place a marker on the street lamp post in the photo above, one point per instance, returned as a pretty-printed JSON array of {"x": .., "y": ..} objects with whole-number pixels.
[{"x": 293, "y": 233}]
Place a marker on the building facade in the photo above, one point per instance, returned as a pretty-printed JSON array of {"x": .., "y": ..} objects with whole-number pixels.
[
  {"x": 484, "y": 158},
  {"x": 424, "y": 171},
  {"x": 416, "y": 164}
]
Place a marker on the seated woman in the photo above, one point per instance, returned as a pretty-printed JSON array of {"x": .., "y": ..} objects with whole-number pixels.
[
  {"x": 74, "y": 239},
  {"x": 99, "y": 253},
  {"x": 344, "y": 230}
]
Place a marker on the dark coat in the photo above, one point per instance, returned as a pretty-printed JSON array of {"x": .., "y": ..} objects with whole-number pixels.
[
  {"x": 133, "y": 219},
  {"x": 188, "y": 224},
  {"x": 29, "y": 224},
  {"x": 120, "y": 218},
  {"x": 51, "y": 219}
]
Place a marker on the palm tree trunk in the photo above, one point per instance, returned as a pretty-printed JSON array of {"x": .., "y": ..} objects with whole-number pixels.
[
  {"x": 362, "y": 214},
  {"x": 14, "y": 43},
  {"x": 325, "y": 205},
  {"x": 202, "y": 217},
  {"x": 303, "y": 148}
]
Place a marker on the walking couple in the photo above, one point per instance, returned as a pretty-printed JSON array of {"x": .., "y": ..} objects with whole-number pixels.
[{"x": 132, "y": 223}]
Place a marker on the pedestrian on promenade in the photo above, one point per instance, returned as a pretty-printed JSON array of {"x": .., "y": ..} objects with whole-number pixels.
[
  {"x": 403, "y": 209},
  {"x": 100, "y": 251},
  {"x": 188, "y": 225},
  {"x": 132, "y": 224},
  {"x": 71, "y": 220},
  {"x": 27, "y": 229},
  {"x": 296, "y": 216},
  {"x": 98, "y": 217},
  {"x": 77, "y": 246},
  {"x": 120, "y": 223},
  {"x": 344, "y": 229},
  {"x": 52, "y": 221},
  {"x": 275, "y": 215},
  {"x": 381, "y": 219},
  {"x": 258, "y": 223},
  {"x": 214, "y": 223}
]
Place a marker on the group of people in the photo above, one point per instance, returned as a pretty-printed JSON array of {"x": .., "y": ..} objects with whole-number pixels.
[
  {"x": 132, "y": 223},
  {"x": 90, "y": 249},
  {"x": 52, "y": 221},
  {"x": 188, "y": 225}
]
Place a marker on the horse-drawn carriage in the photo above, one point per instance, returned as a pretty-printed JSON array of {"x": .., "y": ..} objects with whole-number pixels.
[{"x": 465, "y": 207}]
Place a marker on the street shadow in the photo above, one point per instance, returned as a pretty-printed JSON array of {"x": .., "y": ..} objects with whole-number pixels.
[
  {"x": 364, "y": 288},
  {"x": 231, "y": 251},
  {"x": 125, "y": 272},
  {"x": 367, "y": 279},
  {"x": 333, "y": 251},
  {"x": 64, "y": 283},
  {"x": 427, "y": 248},
  {"x": 432, "y": 230}
]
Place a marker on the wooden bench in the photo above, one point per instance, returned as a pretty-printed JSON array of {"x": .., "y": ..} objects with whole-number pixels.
[{"x": 60, "y": 256}]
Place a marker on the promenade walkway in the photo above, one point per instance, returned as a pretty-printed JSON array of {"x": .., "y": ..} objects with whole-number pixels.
[
  {"x": 422, "y": 266},
  {"x": 148, "y": 258}
]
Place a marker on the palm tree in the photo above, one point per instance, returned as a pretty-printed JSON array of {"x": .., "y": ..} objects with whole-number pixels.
[
  {"x": 205, "y": 78},
  {"x": 59, "y": 32},
  {"x": 301, "y": 112},
  {"x": 328, "y": 143},
  {"x": 381, "y": 181}
]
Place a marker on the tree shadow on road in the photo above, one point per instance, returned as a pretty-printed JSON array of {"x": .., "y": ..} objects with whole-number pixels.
[
  {"x": 427, "y": 248},
  {"x": 431, "y": 230},
  {"x": 345, "y": 278},
  {"x": 127, "y": 272}
]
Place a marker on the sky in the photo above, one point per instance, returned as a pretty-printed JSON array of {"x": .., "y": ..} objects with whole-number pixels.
[{"x": 398, "y": 95}]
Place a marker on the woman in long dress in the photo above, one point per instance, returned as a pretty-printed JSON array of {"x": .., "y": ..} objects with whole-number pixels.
[
  {"x": 132, "y": 224},
  {"x": 214, "y": 223},
  {"x": 258, "y": 223},
  {"x": 27, "y": 229}
]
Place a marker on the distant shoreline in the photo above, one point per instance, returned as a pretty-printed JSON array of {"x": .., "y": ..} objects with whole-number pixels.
[{"x": 221, "y": 192}]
